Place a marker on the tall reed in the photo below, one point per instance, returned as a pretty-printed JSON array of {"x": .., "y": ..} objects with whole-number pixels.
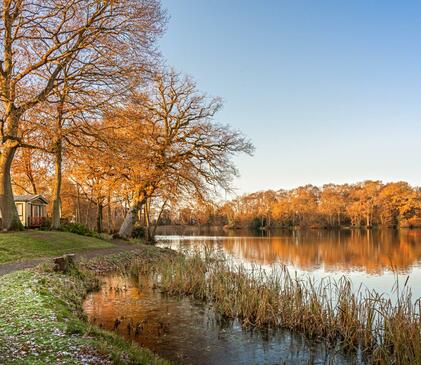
[{"x": 385, "y": 332}]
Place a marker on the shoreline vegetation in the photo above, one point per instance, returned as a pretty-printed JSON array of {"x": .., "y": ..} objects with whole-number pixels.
[
  {"x": 413, "y": 225},
  {"x": 228, "y": 227},
  {"x": 384, "y": 330}
]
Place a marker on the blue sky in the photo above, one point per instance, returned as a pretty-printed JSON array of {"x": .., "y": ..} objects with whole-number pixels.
[{"x": 328, "y": 91}]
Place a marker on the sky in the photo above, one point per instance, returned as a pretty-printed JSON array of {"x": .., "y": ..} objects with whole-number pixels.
[{"x": 327, "y": 90}]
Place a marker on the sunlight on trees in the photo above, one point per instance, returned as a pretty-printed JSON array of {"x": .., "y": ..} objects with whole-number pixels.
[
  {"x": 366, "y": 204},
  {"x": 92, "y": 119},
  {"x": 44, "y": 42}
]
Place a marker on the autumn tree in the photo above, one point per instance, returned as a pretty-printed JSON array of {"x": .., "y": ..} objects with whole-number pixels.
[
  {"x": 332, "y": 203},
  {"x": 31, "y": 172},
  {"x": 304, "y": 201},
  {"x": 366, "y": 204},
  {"x": 177, "y": 142},
  {"x": 282, "y": 208},
  {"x": 39, "y": 40},
  {"x": 397, "y": 202}
]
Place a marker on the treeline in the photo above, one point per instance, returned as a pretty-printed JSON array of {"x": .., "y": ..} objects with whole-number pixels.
[
  {"x": 92, "y": 119},
  {"x": 365, "y": 204}
]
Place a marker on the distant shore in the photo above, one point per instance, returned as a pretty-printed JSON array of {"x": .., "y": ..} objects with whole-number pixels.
[{"x": 227, "y": 228}]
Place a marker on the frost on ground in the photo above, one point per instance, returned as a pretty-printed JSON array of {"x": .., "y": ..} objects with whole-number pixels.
[
  {"x": 42, "y": 321},
  {"x": 39, "y": 321}
]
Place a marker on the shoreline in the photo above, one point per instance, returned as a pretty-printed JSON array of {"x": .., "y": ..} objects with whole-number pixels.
[
  {"x": 283, "y": 228},
  {"x": 327, "y": 311},
  {"x": 42, "y": 319}
]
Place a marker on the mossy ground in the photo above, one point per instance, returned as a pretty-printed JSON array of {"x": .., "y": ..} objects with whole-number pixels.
[{"x": 41, "y": 322}]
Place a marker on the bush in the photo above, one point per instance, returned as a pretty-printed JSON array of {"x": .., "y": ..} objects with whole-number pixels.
[
  {"x": 138, "y": 232},
  {"x": 45, "y": 224},
  {"x": 256, "y": 224},
  {"x": 78, "y": 228}
]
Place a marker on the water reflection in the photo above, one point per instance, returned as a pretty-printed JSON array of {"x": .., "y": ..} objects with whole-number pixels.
[
  {"x": 372, "y": 251},
  {"x": 190, "y": 333},
  {"x": 372, "y": 258}
]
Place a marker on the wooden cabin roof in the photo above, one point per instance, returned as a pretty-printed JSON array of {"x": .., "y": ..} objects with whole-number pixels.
[{"x": 30, "y": 198}]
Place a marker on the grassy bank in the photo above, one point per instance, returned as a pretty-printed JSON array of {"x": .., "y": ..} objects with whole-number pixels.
[
  {"x": 41, "y": 321},
  {"x": 34, "y": 244},
  {"x": 143, "y": 259},
  {"x": 384, "y": 331}
]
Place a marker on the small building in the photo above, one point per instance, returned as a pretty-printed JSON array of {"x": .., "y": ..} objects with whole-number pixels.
[{"x": 31, "y": 209}]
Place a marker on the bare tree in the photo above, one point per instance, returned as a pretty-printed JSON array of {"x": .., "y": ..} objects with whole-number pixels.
[{"x": 177, "y": 143}]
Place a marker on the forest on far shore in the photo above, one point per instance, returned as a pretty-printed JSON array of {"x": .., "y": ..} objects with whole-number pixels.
[{"x": 364, "y": 204}]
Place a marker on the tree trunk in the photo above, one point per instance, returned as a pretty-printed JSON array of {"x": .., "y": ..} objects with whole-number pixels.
[
  {"x": 77, "y": 204},
  {"x": 158, "y": 219},
  {"x": 64, "y": 263},
  {"x": 148, "y": 235},
  {"x": 140, "y": 217},
  {"x": 109, "y": 217},
  {"x": 10, "y": 217},
  {"x": 88, "y": 208},
  {"x": 56, "y": 216},
  {"x": 126, "y": 228},
  {"x": 99, "y": 225}
]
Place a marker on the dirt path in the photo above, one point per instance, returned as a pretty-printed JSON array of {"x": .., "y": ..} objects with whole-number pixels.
[{"x": 88, "y": 254}]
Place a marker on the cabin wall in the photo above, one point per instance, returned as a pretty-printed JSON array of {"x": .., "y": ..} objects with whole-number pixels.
[
  {"x": 20, "y": 207},
  {"x": 27, "y": 213}
]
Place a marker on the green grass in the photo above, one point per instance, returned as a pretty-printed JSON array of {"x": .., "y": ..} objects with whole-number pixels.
[
  {"x": 42, "y": 322},
  {"x": 34, "y": 244}
]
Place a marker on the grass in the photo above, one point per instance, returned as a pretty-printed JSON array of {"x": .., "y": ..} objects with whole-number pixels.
[
  {"x": 41, "y": 322},
  {"x": 384, "y": 331},
  {"x": 34, "y": 244},
  {"x": 143, "y": 259}
]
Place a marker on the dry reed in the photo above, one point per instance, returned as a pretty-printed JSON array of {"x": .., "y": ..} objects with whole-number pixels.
[{"x": 385, "y": 331}]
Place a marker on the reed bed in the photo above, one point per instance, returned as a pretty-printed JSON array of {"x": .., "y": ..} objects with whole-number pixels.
[{"x": 384, "y": 331}]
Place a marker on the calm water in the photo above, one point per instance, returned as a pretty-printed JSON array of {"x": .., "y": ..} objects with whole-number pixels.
[
  {"x": 372, "y": 258},
  {"x": 188, "y": 332}
]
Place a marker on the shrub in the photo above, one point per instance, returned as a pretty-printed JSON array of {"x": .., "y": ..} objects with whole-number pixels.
[
  {"x": 138, "y": 232},
  {"x": 256, "y": 224},
  {"x": 78, "y": 228}
]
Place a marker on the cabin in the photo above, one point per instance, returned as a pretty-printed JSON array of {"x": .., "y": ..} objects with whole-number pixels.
[{"x": 31, "y": 210}]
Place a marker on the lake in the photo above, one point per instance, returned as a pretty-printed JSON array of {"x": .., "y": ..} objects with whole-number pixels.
[
  {"x": 371, "y": 258},
  {"x": 189, "y": 332}
]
